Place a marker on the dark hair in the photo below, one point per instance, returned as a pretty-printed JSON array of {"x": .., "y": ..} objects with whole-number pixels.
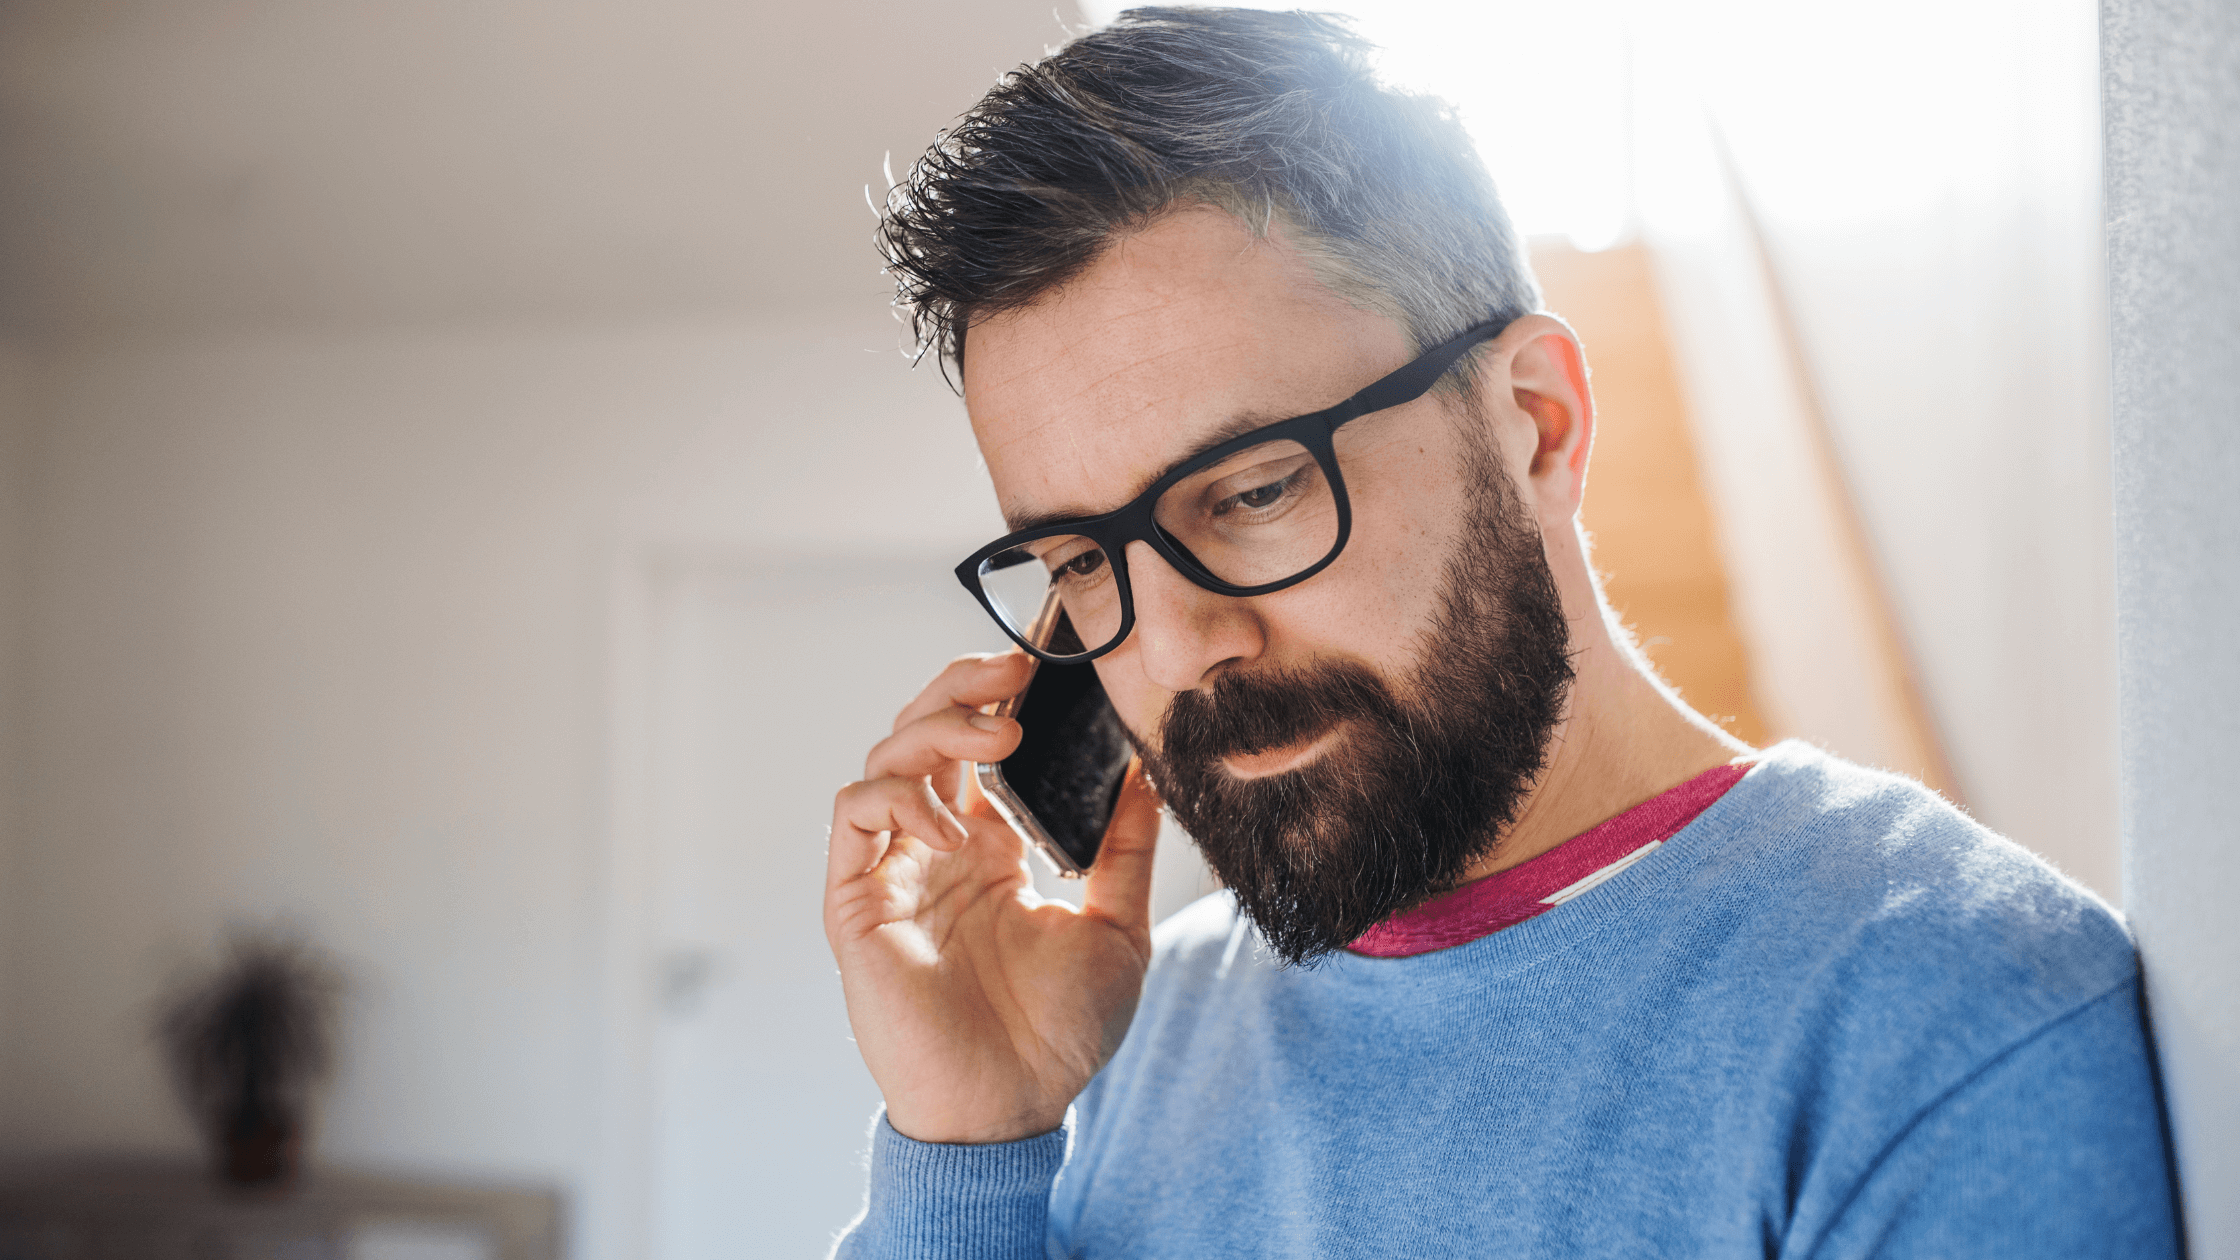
[{"x": 1266, "y": 115}]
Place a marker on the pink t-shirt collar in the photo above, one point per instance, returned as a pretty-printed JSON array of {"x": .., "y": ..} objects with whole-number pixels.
[{"x": 1507, "y": 898}]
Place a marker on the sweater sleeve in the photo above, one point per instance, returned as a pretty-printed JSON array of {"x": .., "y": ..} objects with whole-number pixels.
[
  {"x": 932, "y": 1200},
  {"x": 2053, "y": 1150}
]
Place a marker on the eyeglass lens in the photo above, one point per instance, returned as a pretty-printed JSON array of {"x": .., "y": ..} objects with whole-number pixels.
[{"x": 1256, "y": 517}]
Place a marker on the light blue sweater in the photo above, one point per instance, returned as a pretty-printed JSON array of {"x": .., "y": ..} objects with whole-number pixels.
[{"x": 1831, "y": 1017}]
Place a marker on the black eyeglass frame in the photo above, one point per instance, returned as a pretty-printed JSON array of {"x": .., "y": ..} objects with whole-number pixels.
[{"x": 1135, "y": 521}]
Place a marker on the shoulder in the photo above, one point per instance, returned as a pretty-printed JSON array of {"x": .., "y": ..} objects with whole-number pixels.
[
  {"x": 1941, "y": 1001},
  {"x": 1206, "y": 946},
  {"x": 1876, "y": 881}
]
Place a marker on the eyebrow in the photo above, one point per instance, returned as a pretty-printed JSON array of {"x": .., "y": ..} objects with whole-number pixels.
[{"x": 1234, "y": 427}]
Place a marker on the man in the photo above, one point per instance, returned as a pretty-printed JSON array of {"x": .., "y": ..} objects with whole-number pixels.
[{"x": 1516, "y": 953}]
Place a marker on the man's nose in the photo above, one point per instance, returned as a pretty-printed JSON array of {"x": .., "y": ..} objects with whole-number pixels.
[{"x": 1183, "y": 631}]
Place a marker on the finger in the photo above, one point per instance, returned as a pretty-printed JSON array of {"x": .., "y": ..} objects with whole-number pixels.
[
  {"x": 969, "y": 682},
  {"x": 969, "y": 801},
  {"x": 1120, "y": 881},
  {"x": 935, "y": 743},
  {"x": 850, "y": 850},
  {"x": 864, "y": 815},
  {"x": 957, "y": 783}
]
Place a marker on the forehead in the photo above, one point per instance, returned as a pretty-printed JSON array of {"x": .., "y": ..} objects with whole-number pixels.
[{"x": 1177, "y": 331}]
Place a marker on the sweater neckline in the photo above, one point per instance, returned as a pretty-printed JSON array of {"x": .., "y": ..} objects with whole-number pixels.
[
  {"x": 1533, "y": 887},
  {"x": 1629, "y": 899}
]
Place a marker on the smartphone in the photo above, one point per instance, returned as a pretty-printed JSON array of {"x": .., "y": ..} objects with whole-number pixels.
[{"x": 1060, "y": 786}]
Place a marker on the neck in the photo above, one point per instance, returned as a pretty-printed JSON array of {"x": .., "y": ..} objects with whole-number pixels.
[{"x": 1624, "y": 739}]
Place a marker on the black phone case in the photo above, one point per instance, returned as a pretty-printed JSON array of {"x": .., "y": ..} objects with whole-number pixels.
[
  {"x": 1060, "y": 786},
  {"x": 1070, "y": 764}
]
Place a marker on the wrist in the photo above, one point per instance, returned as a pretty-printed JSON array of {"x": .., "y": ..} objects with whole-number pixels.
[{"x": 954, "y": 1130}]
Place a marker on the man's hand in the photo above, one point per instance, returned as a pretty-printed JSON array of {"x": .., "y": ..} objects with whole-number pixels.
[{"x": 981, "y": 1009}]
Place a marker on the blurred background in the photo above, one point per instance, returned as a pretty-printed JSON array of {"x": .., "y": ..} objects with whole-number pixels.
[{"x": 463, "y": 500}]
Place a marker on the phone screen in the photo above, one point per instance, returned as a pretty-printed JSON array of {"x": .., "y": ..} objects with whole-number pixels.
[{"x": 1072, "y": 756}]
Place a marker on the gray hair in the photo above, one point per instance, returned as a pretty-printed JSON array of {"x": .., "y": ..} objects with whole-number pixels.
[{"x": 1268, "y": 116}]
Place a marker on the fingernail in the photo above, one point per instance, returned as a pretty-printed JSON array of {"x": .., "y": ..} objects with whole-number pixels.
[
  {"x": 986, "y": 721},
  {"x": 950, "y": 825}
]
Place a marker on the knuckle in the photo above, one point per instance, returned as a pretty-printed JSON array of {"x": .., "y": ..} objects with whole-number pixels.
[
  {"x": 899, "y": 792},
  {"x": 847, "y": 801}
]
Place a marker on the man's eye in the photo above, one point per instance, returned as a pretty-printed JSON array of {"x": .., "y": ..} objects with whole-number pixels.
[
  {"x": 1263, "y": 496},
  {"x": 1256, "y": 499},
  {"x": 1081, "y": 566}
]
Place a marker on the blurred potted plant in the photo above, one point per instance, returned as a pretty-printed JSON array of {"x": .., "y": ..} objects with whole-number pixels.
[{"x": 250, "y": 1048}]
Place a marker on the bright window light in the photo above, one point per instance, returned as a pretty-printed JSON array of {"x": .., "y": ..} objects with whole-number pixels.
[{"x": 1542, "y": 87}]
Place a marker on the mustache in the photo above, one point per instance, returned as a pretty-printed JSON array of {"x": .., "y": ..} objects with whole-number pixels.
[{"x": 1244, "y": 713}]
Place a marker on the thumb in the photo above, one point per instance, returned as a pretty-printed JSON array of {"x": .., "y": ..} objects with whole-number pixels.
[{"x": 1120, "y": 881}]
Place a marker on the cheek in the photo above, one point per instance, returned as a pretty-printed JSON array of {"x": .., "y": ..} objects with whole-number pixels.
[
  {"x": 1372, "y": 606},
  {"x": 1139, "y": 702},
  {"x": 1383, "y": 589}
]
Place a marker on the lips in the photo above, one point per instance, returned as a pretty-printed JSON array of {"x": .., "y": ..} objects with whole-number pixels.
[
  {"x": 1263, "y": 762},
  {"x": 1251, "y": 718}
]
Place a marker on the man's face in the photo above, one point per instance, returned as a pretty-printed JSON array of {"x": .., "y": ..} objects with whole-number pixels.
[{"x": 1306, "y": 737}]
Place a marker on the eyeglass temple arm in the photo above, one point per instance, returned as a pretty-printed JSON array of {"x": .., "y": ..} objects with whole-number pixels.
[{"x": 1414, "y": 380}]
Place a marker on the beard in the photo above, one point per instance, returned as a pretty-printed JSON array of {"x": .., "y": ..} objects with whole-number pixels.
[{"x": 1422, "y": 780}]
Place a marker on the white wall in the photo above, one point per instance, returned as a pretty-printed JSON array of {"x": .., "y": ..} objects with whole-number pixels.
[
  {"x": 2172, "y": 84},
  {"x": 321, "y": 635}
]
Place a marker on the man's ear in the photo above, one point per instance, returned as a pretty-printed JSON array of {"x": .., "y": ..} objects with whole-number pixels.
[{"x": 1547, "y": 378}]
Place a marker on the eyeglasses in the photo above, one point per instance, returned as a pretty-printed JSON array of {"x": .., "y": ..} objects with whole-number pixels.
[{"x": 1251, "y": 516}]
